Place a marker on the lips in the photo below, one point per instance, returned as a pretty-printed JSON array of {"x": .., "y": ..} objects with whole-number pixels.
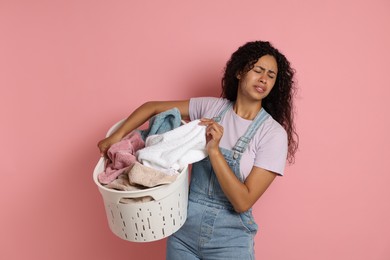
[{"x": 260, "y": 89}]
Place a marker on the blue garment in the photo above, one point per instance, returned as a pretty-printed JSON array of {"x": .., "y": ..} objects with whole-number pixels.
[
  {"x": 213, "y": 230},
  {"x": 162, "y": 122}
]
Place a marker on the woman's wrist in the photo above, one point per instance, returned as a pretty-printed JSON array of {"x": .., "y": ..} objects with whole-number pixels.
[
  {"x": 119, "y": 134},
  {"x": 215, "y": 152}
]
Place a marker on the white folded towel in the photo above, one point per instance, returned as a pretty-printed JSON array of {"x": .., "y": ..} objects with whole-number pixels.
[{"x": 175, "y": 149}]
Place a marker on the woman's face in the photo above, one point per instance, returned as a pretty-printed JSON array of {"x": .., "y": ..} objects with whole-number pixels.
[{"x": 258, "y": 82}]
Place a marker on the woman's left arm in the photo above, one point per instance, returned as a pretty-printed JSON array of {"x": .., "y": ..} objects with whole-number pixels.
[{"x": 241, "y": 195}]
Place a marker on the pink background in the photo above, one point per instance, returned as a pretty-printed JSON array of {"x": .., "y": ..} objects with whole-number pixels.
[{"x": 70, "y": 69}]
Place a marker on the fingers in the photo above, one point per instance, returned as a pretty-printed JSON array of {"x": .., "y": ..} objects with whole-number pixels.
[
  {"x": 206, "y": 121},
  {"x": 105, "y": 144},
  {"x": 103, "y": 147},
  {"x": 213, "y": 129}
]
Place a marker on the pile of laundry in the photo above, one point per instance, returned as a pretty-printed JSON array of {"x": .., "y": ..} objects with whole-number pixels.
[{"x": 154, "y": 156}]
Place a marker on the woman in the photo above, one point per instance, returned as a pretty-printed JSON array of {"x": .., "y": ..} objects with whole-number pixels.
[{"x": 250, "y": 133}]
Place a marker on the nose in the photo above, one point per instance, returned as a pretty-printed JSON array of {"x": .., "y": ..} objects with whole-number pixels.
[{"x": 263, "y": 78}]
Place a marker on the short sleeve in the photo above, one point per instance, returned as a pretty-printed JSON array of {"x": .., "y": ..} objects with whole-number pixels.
[
  {"x": 272, "y": 153},
  {"x": 207, "y": 107}
]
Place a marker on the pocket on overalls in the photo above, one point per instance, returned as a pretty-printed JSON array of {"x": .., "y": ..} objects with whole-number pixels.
[
  {"x": 248, "y": 222},
  {"x": 199, "y": 174}
]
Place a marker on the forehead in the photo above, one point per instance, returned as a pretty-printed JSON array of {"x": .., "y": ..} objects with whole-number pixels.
[{"x": 267, "y": 62}]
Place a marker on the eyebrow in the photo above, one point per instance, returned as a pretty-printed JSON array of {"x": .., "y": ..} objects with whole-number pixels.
[{"x": 270, "y": 71}]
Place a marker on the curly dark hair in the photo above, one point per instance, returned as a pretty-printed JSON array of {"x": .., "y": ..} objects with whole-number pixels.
[{"x": 279, "y": 102}]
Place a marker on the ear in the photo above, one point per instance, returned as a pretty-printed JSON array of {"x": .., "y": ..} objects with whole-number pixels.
[{"x": 238, "y": 75}]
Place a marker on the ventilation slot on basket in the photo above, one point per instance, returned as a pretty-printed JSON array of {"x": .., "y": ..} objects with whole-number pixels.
[
  {"x": 123, "y": 221},
  {"x": 173, "y": 219},
  {"x": 179, "y": 208},
  {"x": 112, "y": 216},
  {"x": 136, "y": 233}
]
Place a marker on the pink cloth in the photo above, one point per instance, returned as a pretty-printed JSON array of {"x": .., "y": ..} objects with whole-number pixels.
[
  {"x": 139, "y": 177},
  {"x": 121, "y": 157},
  {"x": 146, "y": 176}
]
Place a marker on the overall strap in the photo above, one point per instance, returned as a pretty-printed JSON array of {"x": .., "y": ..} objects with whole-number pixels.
[
  {"x": 222, "y": 113},
  {"x": 244, "y": 140}
]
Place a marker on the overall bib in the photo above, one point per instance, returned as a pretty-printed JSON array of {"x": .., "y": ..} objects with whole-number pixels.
[{"x": 213, "y": 230}]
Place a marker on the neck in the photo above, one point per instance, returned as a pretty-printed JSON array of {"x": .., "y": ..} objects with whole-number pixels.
[{"x": 246, "y": 109}]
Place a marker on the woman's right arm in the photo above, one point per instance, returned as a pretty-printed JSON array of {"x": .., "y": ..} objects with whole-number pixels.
[{"x": 140, "y": 116}]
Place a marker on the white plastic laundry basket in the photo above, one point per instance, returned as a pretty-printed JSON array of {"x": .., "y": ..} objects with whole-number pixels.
[{"x": 145, "y": 221}]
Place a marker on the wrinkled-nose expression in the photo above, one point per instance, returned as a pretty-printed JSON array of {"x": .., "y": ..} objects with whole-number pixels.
[{"x": 259, "y": 81}]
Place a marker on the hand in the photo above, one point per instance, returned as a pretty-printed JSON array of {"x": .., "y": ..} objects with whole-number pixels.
[
  {"x": 214, "y": 133},
  {"x": 106, "y": 143}
]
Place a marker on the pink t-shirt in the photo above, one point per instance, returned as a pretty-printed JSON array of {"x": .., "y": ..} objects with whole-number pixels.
[{"x": 268, "y": 147}]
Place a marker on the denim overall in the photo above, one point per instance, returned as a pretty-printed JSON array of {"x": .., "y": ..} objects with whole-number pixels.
[{"x": 213, "y": 230}]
